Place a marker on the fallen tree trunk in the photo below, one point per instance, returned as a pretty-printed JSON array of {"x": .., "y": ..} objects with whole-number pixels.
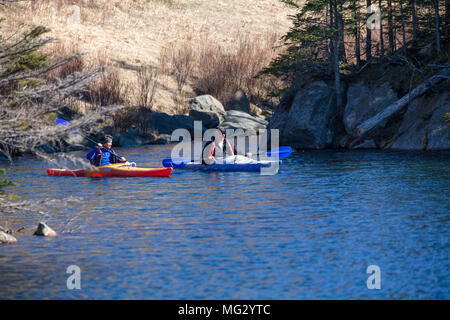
[{"x": 380, "y": 117}]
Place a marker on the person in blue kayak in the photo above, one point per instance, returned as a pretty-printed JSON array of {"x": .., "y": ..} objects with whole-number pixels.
[
  {"x": 102, "y": 154},
  {"x": 219, "y": 147}
]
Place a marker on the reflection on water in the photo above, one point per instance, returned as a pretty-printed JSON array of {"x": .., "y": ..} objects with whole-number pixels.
[{"x": 308, "y": 232}]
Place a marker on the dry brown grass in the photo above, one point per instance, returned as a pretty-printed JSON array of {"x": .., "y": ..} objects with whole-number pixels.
[
  {"x": 222, "y": 71},
  {"x": 110, "y": 88},
  {"x": 63, "y": 50},
  {"x": 136, "y": 31},
  {"x": 147, "y": 80},
  {"x": 182, "y": 64}
]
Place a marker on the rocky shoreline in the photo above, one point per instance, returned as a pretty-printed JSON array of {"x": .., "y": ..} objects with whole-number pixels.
[
  {"x": 146, "y": 127},
  {"x": 307, "y": 118}
]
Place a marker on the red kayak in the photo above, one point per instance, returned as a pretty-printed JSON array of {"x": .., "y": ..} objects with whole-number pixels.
[{"x": 112, "y": 170}]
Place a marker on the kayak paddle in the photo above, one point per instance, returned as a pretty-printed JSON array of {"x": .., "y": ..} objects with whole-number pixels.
[
  {"x": 62, "y": 122},
  {"x": 281, "y": 152}
]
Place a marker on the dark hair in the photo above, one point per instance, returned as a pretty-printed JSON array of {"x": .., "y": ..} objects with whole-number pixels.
[
  {"x": 106, "y": 137},
  {"x": 222, "y": 130}
]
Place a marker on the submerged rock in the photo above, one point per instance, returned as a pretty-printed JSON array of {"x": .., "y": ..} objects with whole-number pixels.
[
  {"x": 6, "y": 238},
  {"x": 44, "y": 230}
]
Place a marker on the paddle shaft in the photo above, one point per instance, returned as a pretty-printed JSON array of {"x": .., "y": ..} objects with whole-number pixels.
[
  {"x": 65, "y": 122},
  {"x": 96, "y": 143}
]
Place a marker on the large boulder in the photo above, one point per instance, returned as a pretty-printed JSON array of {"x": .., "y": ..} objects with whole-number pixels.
[
  {"x": 305, "y": 116},
  {"x": 163, "y": 123},
  {"x": 240, "y": 102},
  {"x": 241, "y": 120},
  {"x": 133, "y": 138},
  {"x": 439, "y": 129},
  {"x": 209, "y": 119},
  {"x": 421, "y": 122},
  {"x": 363, "y": 102},
  {"x": 207, "y": 103}
]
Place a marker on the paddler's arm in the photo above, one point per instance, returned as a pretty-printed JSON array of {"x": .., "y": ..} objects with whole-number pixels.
[
  {"x": 93, "y": 153},
  {"x": 230, "y": 148},
  {"x": 211, "y": 157},
  {"x": 117, "y": 159}
]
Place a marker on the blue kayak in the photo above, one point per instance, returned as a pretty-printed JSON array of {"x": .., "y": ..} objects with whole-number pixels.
[
  {"x": 226, "y": 167},
  {"x": 230, "y": 164}
]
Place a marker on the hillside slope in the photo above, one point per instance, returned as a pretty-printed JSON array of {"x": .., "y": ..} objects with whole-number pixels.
[{"x": 129, "y": 34}]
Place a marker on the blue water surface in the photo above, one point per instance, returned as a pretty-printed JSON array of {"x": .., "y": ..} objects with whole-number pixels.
[{"x": 309, "y": 232}]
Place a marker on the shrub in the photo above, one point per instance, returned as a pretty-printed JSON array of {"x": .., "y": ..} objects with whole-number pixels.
[
  {"x": 182, "y": 64},
  {"x": 147, "y": 81},
  {"x": 222, "y": 71}
]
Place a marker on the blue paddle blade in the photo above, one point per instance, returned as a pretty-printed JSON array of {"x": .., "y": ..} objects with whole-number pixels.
[
  {"x": 175, "y": 163},
  {"x": 281, "y": 152},
  {"x": 279, "y": 155},
  {"x": 62, "y": 122}
]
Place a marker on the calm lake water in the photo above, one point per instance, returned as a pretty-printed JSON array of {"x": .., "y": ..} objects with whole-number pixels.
[{"x": 309, "y": 232}]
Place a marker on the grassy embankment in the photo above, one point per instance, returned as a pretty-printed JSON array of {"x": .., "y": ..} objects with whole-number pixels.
[{"x": 160, "y": 53}]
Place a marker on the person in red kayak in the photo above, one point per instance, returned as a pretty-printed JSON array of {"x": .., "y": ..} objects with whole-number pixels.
[{"x": 102, "y": 154}]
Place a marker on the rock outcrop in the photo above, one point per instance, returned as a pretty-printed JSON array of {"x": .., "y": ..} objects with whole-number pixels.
[
  {"x": 422, "y": 126},
  {"x": 305, "y": 117},
  {"x": 240, "y": 102},
  {"x": 163, "y": 123},
  {"x": 363, "y": 102},
  {"x": 209, "y": 119},
  {"x": 241, "y": 120},
  {"x": 439, "y": 128},
  {"x": 207, "y": 108},
  {"x": 133, "y": 138}
]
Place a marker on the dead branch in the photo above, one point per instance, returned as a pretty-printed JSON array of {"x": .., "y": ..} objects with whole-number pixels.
[{"x": 370, "y": 124}]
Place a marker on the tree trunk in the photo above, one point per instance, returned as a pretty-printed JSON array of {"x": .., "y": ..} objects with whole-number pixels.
[
  {"x": 381, "y": 29},
  {"x": 368, "y": 37},
  {"x": 337, "y": 80},
  {"x": 403, "y": 28},
  {"x": 331, "y": 43},
  {"x": 356, "y": 31},
  {"x": 414, "y": 19},
  {"x": 390, "y": 29},
  {"x": 357, "y": 47},
  {"x": 342, "y": 53},
  {"x": 447, "y": 19},
  {"x": 438, "y": 32},
  {"x": 380, "y": 117}
]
